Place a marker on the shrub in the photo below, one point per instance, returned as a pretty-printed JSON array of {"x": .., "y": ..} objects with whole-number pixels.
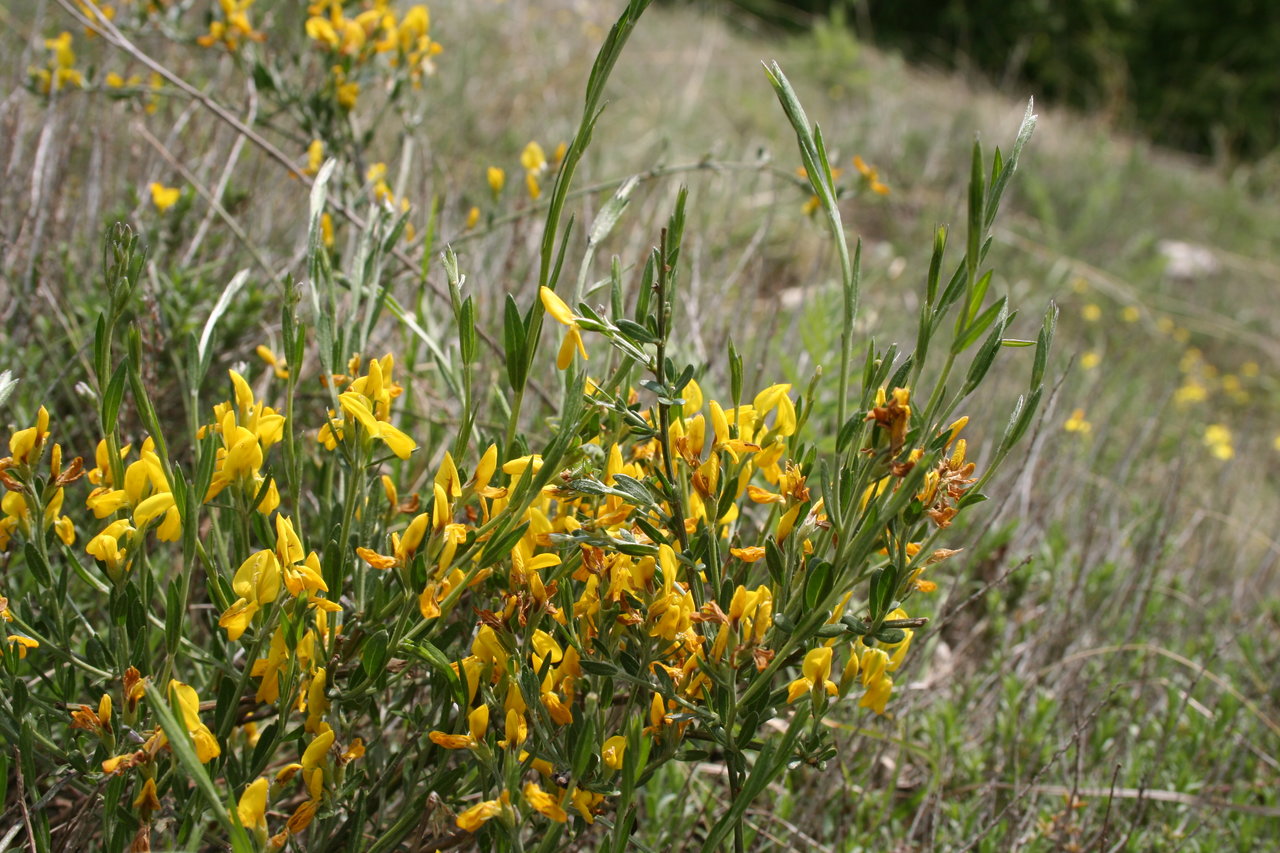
[{"x": 303, "y": 618}]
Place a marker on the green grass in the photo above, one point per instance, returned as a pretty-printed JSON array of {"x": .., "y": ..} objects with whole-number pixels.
[{"x": 1123, "y": 650}]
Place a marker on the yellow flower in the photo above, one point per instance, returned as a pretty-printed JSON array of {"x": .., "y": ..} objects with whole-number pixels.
[
  {"x": 559, "y": 311},
  {"x": 1190, "y": 391},
  {"x": 367, "y": 401},
  {"x": 257, "y": 583},
  {"x": 345, "y": 93},
  {"x": 188, "y": 704},
  {"x": 613, "y": 751},
  {"x": 1091, "y": 313},
  {"x": 1217, "y": 437},
  {"x": 1077, "y": 423},
  {"x": 26, "y": 445},
  {"x": 301, "y": 569},
  {"x": 532, "y": 158},
  {"x": 870, "y": 175},
  {"x": 278, "y": 365},
  {"x": 534, "y": 162},
  {"x": 544, "y": 803},
  {"x": 479, "y": 814},
  {"x": 1090, "y": 360},
  {"x": 315, "y": 157},
  {"x": 478, "y": 724},
  {"x": 21, "y": 644},
  {"x": 402, "y": 548},
  {"x": 497, "y": 179},
  {"x": 148, "y": 800},
  {"x": 59, "y": 72},
  {"x": 163, "y": 197},
  {"x": 313, "y": 762},
  {"x": 473, "y": 216},
  {"x": 326, "y": 230},
  {"x": 816, "y": 671},
  {"x": 879, "y": 686},
  {"x": 252, "y": 807}
]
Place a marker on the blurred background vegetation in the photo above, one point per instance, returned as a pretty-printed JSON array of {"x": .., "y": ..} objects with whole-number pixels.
[{"x": 1199, "y": 77}]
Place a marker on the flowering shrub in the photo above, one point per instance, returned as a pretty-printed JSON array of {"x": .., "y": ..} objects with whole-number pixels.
[{"x": 311, "y": 620}]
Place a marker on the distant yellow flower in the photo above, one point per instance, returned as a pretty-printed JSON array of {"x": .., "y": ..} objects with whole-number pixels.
[
  {"x": 1190, "y": 392},
  {"x": 1090, "y": 360},
  {"x": 1091, "y": 312},
  {"x": 233, "y": 26},
  {"x": 870, "y": 176},
  {"x": 1077, "y": 423},
  {"x": 326, "y": 230},
  {"x": 532, "y": 158},
  {"x": 277, "y": 364},
  {"x": 315, "y": 157},
  {"x": 163, "y": 197},
  {"x": 59, "y": 72},
  {"x": 115, "y": 81},
  {"x": 1217, "y": 437},
  {"x": 534, "y": 161},
  {"x": 473, "y": 216},
  {"x": 1131, "y": 314},
  {"x": 497, "y": 179}
]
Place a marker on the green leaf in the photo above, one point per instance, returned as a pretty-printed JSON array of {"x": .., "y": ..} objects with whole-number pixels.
[
  {"x": 1000, "y": 181},
  {"x": 611, "y": 212},
  {"x": 986, "y": 355},
  {"x": 1043, "y": 343},
  {"x": 467, "y": 340},
  {"x": 817, "y": 584},
  {"x": 37, "y": 565},
  {"x": 219, "y": 308},
  {"x": 977, "y": 199},
  {"x": 112, "y": 396},
  {"x": 513, "y": 341},
  {"x": 935, "y": 264},
  {"x": 882, "y": 587},
  {"x": 1020, "y": 420},
  {"x": 598, "y": 667},
  {"x": 979, "y": 325}
]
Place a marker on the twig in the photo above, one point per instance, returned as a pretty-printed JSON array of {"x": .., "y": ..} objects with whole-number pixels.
[
  {"x": 22, "y": 799},
  {"x": 1106, "y": 817},
  {"x": 1159, "y": 796},
  {"x": 1032, "y": 786}
]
